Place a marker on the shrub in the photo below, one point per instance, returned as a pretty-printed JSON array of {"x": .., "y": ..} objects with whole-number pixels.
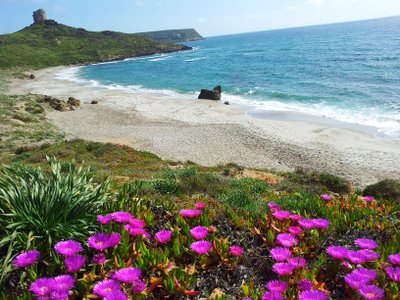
[
  {"x": 165, "y": 186},
  {"x": 41, "y": 209},
  {"x": 335, "y": 183},
  {"x": 388, "y": 189}
]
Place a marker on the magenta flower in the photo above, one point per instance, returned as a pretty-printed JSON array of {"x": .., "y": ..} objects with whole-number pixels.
[
  {"x": 346, "y": 264},
  {"x": 190, "y": 213},
  {"x": 272, "y": 296},
  {"x": 298, "y": 262},
  {"x": 201, "y": 247},
  {"x": 277, "y": 286},
  {"x": 116, "y": 295},
  {"x": 369, "y": 198},
  {"x": 106, "y": 287},
  {"x": 393, "y": 273},
  {"x": 137, "y": 223},
  {"x": 321, "y": 223},
  {"x": 282, "y": 268},
  {"x": 163, "y": 236},
  {"x": 42, "y": 286},
  {"x": 104, "y": 220},
  {"x": 356, "y": 257},
  {"x": 371, "y": 292},
  {"x": 280, "y": 254},
  {"x": 200, "y": 205},
  {"x": 295, "y": 230},
  {"x": 199, "y": 232},
  {"x": 99, "y": 259},
  {"x": 286, "y": 240},
  {"x": 313, "y": 295},
  {"x": 305, "y": 285},
  {"x": 138, "y": 286},
  {"x": 64, "y": 283},
  {"x": 337, "y": 252},
  {"x": 366, "y": 244},
  {"x": 366, "y": 274},
  {"x": 273, "y": 206},
  {"x": 394, "y": 259},
  {"x": 74, "y": 263},
  {"x": 295, "y": 217},
  {"x": 370, "y": 255},
  {"x": 127, "y": 275},
  {"x": 121, "y": 216},
  {"x": 68, "y": 248},
  {"x": 236, "y": 250},
  {"x": 306, "y": 224},
  {"x": 26, "y": 259},
  {"x": 355, "y": 281},
  {"x": 281, "y": 215},
  {"x": 136, "y": 231},
  {"x": 57, "y": 295},
  {"x": 101, "y": 241},
  {"x": 326, "y": 197}
]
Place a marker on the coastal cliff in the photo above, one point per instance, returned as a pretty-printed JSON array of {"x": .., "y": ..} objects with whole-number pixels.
[
  {"x": 173, "y": 35},
  {"x": 48, "y": 43}
]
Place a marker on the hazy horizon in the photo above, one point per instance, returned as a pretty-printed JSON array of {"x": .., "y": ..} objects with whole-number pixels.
[{"x": 208, "y": 18}]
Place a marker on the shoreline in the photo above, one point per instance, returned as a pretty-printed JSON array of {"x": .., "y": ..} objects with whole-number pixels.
[{"x": 211, "y": 133}]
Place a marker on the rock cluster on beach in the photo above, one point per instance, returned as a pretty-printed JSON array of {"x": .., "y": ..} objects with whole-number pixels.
[
  {"x": 215, "y": 94},
  {"x": 62, "y": 105}
]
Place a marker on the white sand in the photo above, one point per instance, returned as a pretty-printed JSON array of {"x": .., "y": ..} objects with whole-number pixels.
[{"x": 210, "y": 133}]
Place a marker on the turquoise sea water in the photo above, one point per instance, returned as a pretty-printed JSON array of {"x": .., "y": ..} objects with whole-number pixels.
[{"x": 347, "y": 72}]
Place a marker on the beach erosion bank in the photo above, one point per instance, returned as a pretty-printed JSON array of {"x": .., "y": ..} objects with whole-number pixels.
[{"x": 211, "y": 133}]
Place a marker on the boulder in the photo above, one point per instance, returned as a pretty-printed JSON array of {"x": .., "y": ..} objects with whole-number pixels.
[
  {"x": 74, "y": 102},
  {"x": 94, "y": 102},
  {"x": 32, "y": 76},
  {"x": 215, "y": 94},
  {"x": 39, "y": 16},
  {"x": 226, "y": 102},
  {"x": 57, "y": 104}
]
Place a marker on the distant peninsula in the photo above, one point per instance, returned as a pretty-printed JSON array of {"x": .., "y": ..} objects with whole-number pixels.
[
  {"x": 47, "y": 43},
  {"x": 173, "y": 35}
]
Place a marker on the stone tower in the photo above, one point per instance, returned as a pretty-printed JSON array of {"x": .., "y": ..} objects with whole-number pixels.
[{"x": 39, "y": 16}]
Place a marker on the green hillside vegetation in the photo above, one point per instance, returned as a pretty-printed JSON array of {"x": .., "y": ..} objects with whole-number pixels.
[
  {"x": 52, "y": 44},
  {"x": 173, "y": 35}
]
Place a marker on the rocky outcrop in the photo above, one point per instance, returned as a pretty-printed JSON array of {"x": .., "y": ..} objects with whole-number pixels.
[
  {"x": 61, "y": 105},
  {"x": 39, "y": 16},
  {"x": 173, "y": 35},
  {"x": 215, "y": 94},
  {"x": 74, "y": 102}
]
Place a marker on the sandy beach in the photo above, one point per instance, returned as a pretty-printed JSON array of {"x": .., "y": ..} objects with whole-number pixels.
[{"x": 211, "y": 133}]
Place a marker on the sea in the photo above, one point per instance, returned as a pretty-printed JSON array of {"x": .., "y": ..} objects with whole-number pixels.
[{"x": 347, "y": 73}]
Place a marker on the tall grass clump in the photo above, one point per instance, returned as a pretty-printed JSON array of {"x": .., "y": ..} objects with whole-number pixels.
[{"x": 37, "y": 209}]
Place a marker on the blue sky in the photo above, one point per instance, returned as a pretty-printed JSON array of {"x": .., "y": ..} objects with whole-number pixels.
[{"x": 209, "y": 17}]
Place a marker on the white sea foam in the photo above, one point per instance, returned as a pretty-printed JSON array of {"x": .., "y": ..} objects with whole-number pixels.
[{"x": 196, "y": 59}]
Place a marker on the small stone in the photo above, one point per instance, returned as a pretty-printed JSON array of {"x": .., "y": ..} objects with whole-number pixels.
[
  {"x": 226, "y": 102},
  {"x": 94, "y": 102}
]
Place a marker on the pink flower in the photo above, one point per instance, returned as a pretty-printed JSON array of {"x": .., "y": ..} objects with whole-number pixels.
[
  {"x": 121, "y": 216},
  {"x": 305, "y": 285},
  {"x": 280, "y": 254},
  {"x": 163, "y": 236},
  {"x": 201, "y": 247},
  {"x": 298, "y": 262},
  {"x": 393, "y": 273},
  {"x": 272, "y": 296},
  {"x": 371, "y": 292},
  {"x": 295, "y": 217},
  {"x": 313, "y": 295},
  {"x": 281, "y": 215},
  {"x": 366, "y": 274},
  {"x": 127, "y": 275},
  {"x": 26, "y": 259},
  {"x": 286, "y": 240},
  {"x": 99, "y": 259},
  {"x": 64, "y": 283},
  {"x": 321, "y": 223},
  {"x": 101, "y": 241},
  {"x": 104, "y": 220},
  {"x": 277, "y": 286},
  {"x": 236, "y": 250},
  {"x": 200, "y": 205},
  {"x": 394, "y": 259},
  {"x": 337, "y": 252},
  {"x": 370, "y": 255},
  {"x": 306, "y": 224},
  {"x": 190, "y": 213},
  {"x": 138, "y": 286},
  {"x": 356, "y": 257},
  {"x": 74, "y": 263},
  {"x": 273, "y": 206},
  {"x": 136, "y": 231},
  {"x": 366, "y": 244},
  {"x": 295, "y": 230},
  {"x": 355, "y": 281},
  {"x": 326, "y": 197},
  {"x": 199, "y": 232},
  {"x": 42, "y": 286},
  {"x": 137, "y": 223},
  {"x": 283, "y": 268},
  {"x": 106, "y": 287},
  {"x": 369, "y": 198},
  {"x": 68, "y": 248}
]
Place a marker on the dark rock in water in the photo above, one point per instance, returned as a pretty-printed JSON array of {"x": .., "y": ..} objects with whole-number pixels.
[
  {"x": 39, "y": 16},
  {"x": 94, "y": 102},
  {"x": 215, "y": 94},
  {"x": 226, "y": 102},
  {"x": 32, "y": 76},
  {"x": 74, "y": 102}
]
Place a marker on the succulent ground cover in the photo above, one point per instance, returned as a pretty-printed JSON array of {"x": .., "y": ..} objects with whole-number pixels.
[{"x": 148, "y": 246}]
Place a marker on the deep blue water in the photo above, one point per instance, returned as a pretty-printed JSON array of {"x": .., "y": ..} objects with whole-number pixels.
[{"x": 349, "y": 72}]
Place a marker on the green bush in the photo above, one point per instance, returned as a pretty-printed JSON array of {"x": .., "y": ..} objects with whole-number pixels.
[
  {"x": 165, "y": 186},
  {"x": 335, "y": 183},
  {"x": 250, "y": 185},
  {"x": 37, "y": 210},
  {"x": 388, "y": 189}
]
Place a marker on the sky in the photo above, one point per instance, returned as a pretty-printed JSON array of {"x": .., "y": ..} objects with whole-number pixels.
[{"x": 208, "y": 17}]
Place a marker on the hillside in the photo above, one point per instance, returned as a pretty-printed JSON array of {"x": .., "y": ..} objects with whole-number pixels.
[
  {"x": 173, "y": 35},
  {"x": 51, "y": 44}
]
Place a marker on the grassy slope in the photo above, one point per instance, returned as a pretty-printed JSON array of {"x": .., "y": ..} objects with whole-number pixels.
[{"x": 49, "y": 44}]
